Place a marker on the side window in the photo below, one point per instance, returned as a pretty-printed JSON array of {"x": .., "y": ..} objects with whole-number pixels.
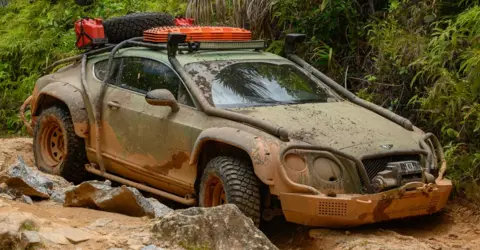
[
  {"x": 143, "y": 75},
  {"x": 100, "y": 69}
]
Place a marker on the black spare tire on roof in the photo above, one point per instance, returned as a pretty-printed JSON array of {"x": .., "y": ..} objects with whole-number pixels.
[{"x": 119, "y": 29}]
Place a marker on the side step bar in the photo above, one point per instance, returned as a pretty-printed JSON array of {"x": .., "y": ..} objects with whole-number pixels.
[{"x": 185, "y": 201}]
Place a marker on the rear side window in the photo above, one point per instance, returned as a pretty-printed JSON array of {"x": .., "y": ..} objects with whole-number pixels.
[{"x": 100, "y": 70}]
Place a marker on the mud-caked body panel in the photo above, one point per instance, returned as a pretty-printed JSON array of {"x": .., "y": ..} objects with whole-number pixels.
[
  {"x": 53, "y": 90},
  {"x": 354, "y": 210}
]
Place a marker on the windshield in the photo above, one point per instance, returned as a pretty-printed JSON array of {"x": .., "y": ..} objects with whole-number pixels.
[{"x": 251, "y": 83}]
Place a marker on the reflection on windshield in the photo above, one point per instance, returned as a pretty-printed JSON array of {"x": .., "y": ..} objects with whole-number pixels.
[{"x": 245, "y": 84}]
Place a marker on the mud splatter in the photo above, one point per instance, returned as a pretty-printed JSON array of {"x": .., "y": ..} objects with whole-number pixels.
[
  {"x": 175, "y": 163},
  {"x": 379, "y": 211}
]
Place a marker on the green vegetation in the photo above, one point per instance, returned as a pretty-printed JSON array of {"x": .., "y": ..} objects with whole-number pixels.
[
  {"x": 36, "y": 33},
  {"x": 189, "y": 246},
  {"x": 29, "y": 225},
  {"x": 419, "y": 58}
]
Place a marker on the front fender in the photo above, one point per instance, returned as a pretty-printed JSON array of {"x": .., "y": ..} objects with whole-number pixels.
[
  {"x": 262, "y": 152},
  {"x": 72, "y": 98}
]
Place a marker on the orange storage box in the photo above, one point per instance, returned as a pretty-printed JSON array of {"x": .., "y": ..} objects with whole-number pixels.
[{"x": 198, "y": 34}]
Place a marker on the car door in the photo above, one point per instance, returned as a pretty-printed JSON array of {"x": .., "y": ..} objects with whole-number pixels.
[{"x": 146, "y": 143}]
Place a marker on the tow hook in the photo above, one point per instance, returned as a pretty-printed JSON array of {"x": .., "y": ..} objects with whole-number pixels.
[
  {"x": 428, "y": 188},
  {"x": 418, "y": 186}
]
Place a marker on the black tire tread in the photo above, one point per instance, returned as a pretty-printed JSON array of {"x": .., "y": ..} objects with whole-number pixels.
[
  {"x": 240, "y": 183},
  {"x": 121, "y": 28},
  {"x": 73, "y": 166}
]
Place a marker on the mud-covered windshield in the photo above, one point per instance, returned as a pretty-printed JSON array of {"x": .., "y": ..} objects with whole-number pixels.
[{"x": 252, "y": 83}]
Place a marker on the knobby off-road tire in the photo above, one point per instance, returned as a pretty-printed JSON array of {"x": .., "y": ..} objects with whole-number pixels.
[
  {"x": 230, "y": 180},
  {"x": 119, "y": 29},
  {"x": 57, "y": 149}
]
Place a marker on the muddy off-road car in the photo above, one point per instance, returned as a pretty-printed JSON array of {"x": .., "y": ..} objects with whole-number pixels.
[{"x": 214, "y": 122}]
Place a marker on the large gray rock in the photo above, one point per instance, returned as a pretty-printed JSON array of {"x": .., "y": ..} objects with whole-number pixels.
[
  {"x": 26, "y": 181},
  {"x": 159, "y": 208},
  {"x": 221, "y": 227},
  {"x": 58, "y": 195},
  {"x": 101, "y": 196},
  {"x": 30, "y": 239},
  {"x": 26, "y": 199}
]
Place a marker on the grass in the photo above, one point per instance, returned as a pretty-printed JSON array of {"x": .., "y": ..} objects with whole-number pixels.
[{"x": 29, "y": 225}]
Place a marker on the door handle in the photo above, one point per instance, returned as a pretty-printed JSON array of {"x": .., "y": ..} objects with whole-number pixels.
[{"x": 113, "y": 105}]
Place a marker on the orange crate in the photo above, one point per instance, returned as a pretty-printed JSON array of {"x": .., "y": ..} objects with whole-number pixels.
[{"x": 198, "y": 33}]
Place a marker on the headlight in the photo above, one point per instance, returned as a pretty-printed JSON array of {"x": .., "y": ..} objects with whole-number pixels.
[
  {"x": 295, "y": 162},
  {"x": 325, "y": 169},
  {"x": 313, "y": 168}
]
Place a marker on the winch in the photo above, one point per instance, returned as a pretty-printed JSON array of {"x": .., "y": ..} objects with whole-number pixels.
[{"x": 397, "y": 174}]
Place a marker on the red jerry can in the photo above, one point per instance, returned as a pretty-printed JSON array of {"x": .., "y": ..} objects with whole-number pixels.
[
  {"x": 90, "y": 33},
  {"x": 180, "y": 21}
]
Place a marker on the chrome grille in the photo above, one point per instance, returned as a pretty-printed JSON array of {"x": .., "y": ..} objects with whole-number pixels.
[{"x": 375, "y": 165}]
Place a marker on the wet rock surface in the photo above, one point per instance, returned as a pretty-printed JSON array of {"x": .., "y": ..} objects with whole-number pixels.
[
  {"x": 24, "y": 180},
  {"x": 222, "y": 227},
  {"x": 102, "y": 196}
]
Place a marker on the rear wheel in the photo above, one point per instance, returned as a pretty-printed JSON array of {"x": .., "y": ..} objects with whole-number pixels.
[
  {"x": 231, "y": 180},
  {"x": 57, "y": 149}
]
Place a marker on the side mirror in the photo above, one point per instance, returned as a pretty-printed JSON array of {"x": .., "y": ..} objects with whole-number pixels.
[{"x": 162, "y": 97}]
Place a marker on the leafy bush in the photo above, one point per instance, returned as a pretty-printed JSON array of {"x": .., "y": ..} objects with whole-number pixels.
[
  {"x": 36, "y": 33},
  {"x": 436, "y": 60}
]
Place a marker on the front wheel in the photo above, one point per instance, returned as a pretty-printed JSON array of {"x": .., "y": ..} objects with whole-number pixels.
[
  {"x": 230, "y": 180},
  {"x": 57, "y": 149}
]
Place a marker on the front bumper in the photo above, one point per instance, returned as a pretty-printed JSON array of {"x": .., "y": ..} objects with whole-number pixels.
[{"x": 354, "y": 210}]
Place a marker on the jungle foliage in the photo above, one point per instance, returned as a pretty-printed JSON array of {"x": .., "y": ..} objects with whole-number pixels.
[{"x": 419, "y": 58}]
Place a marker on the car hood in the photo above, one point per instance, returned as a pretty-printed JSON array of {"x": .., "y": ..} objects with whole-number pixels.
[{"x": 341, "y": 125}]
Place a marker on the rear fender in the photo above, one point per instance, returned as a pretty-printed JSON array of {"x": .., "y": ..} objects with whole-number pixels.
[
  {"x": 261, "y": 151},
  {"x": 71, "y": 97}
]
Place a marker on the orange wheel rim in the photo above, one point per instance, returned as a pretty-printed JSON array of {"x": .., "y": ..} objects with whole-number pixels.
[
  {"x": 53, "y": 148},
  {"x": 215, "y": 194}
]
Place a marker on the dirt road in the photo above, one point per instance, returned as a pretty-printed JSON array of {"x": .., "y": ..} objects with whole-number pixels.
[{"x": 457, "y": 227}]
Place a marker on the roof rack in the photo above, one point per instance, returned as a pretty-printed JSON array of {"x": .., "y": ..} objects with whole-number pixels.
[{"x": 185, "y": 46}]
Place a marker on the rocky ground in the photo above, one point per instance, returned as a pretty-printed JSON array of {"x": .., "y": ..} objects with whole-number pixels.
[{"x": 46, "y": 223}]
